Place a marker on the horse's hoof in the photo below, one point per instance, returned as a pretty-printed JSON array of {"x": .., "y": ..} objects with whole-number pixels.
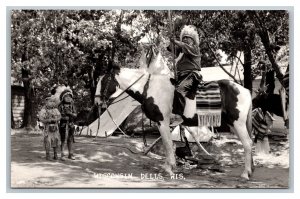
[
  {"x": 246, "y": 175},
  {"x": 168, "y": 169}
]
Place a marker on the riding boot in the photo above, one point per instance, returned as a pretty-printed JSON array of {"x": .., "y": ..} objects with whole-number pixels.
[
  {"x": 70, "y": 149},
  {"x": 62, "y": 151},
  {"x": 55, "y": 153}
]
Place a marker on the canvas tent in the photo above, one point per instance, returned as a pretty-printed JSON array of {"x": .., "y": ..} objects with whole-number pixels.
[
  {"x": 216, "y": 73},
  {"x": 119, "y": 112}
]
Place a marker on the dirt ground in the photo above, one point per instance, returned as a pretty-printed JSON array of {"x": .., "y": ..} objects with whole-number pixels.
[{"x": 119, "y": 162}]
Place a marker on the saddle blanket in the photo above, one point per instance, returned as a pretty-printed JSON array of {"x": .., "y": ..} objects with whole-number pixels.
[{"x": 209, "y": 104}]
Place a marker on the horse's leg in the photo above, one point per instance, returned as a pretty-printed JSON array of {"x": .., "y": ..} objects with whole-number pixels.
[
  {"x": 240, "y": 130},
  {"x": 168, "y": 144}
]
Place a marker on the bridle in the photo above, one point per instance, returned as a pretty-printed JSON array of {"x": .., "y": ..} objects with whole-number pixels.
[
  {"x": 105, "y": 103},
  {"x": 106, "y": 100},
  {"x": 103, "y": 95}
]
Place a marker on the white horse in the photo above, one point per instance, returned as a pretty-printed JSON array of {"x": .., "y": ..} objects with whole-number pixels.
[{"x": 155, "y": 92}]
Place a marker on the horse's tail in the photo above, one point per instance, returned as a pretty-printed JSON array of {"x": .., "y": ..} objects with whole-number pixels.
[{"x": 249, "y": 120}]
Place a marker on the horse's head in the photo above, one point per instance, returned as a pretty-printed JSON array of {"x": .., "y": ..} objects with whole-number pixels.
[{"x": 107, "y": 86}]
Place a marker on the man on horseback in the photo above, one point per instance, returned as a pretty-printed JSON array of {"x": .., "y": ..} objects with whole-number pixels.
[{"x": 188, "y": 68}]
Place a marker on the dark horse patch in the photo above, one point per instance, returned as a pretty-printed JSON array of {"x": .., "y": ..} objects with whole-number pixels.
[{"x": 229, "y": 94}]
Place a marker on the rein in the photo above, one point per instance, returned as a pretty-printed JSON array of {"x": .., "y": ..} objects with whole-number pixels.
[
  {"x": 113, "y": 102},
  {"x": 128, "y": 87}
]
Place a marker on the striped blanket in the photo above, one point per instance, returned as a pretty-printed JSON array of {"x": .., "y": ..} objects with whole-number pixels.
[
  {"x": 261, "y": 123},
  {"x": 258, "y": 121},
  {"x": 208, "y": 103}
]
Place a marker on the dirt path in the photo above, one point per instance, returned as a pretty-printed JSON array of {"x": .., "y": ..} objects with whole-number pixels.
[{"x": 119, "y": 163}]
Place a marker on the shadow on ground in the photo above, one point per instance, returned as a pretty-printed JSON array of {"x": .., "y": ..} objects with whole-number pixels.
[{"x": 119, "y": 162}]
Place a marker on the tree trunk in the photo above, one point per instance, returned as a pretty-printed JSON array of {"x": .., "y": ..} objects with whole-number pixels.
[
  {"x": 270, "y": 81},
  {"x": 28, "y": 105},
  {"x": 264, "y": 36},
  {"x": 93, "y": 91},
  {"x": 93, "y": 85},
  {"x": 266, "y": 42},
  {"x": 247, "y": 68},
  {"x": 12, "y": 117},
  {"x": 27, "y": 122}
]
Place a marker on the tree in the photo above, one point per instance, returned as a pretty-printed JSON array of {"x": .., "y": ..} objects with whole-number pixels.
[
  {"x": 66, "y": 47},
  {"x": 273, "y": 28},
  {"x": 246, "y": 31},
  {"x": 73, "y": 47}
]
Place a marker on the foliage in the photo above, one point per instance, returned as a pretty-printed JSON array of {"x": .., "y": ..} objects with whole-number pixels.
[{"x": 74, "y": 46}]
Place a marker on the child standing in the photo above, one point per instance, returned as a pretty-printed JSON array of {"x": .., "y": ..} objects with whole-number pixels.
[{"x": 50, "y": 116}]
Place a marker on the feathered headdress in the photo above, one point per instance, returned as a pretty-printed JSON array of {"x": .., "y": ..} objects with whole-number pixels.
[
  {"x": 59, "y": 91},
  {"x": 66, "y": 92},
  {"x": 190, "y": 31}
]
